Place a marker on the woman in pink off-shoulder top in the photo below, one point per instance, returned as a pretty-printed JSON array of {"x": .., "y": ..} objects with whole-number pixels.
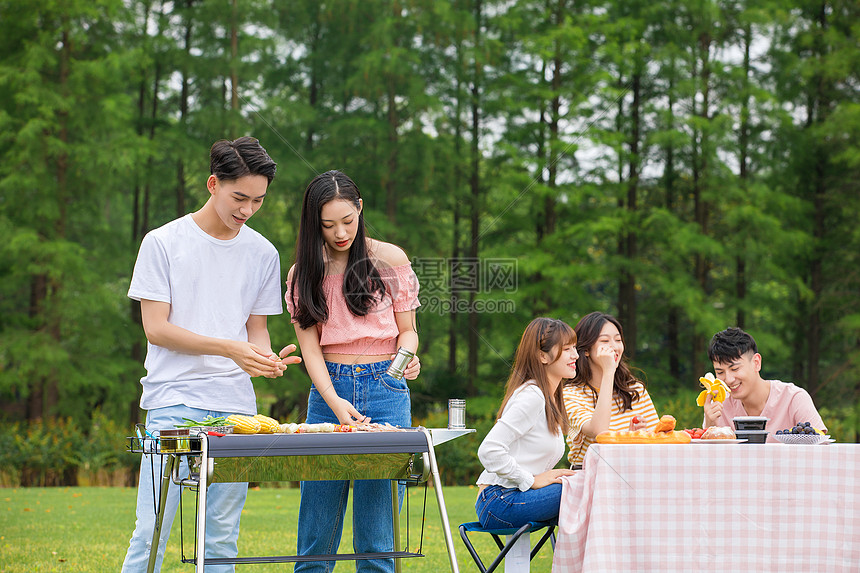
[{"x": 352, "y": 300}]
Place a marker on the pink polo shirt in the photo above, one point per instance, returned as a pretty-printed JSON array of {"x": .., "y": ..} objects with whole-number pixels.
[
  {"x": 786, "y": 406},
  {"x": 376, "y": 332}
]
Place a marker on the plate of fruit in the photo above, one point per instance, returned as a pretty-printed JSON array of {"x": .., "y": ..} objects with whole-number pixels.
[
  {"x": 695, "y": 433},
  {"x": 714, "y": 435},
  {"x": 801, "y": 433}
]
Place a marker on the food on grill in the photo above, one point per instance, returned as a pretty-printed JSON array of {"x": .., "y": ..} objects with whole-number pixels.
[
  {"x": 261, "y": 424},
  {"x": 244, "y": 424},
  {"x": 642, "y": 437},
  {"x": 666, "y": 424},
  {"x": 377, "y": 427},
  {"x": 718, "y": 433},
  {"x": 209, "y": 422},
  {"x": 267, "y": 425}
]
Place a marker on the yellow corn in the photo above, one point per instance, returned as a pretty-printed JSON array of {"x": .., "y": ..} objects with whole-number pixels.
[
  {"x": 244, "y": 424},
  {"x": 268, "y": 425}
]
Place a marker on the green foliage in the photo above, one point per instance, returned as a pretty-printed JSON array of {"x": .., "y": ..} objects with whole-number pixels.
[
  {"x": 59, "y": 451},
  {"x": 843, "y": 424},
  {"x": 623, "y": 155},
  {"x": 682, "y": 405}
]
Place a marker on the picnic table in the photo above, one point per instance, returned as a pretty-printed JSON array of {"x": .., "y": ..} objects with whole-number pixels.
[{"x": 712, "y": 508}]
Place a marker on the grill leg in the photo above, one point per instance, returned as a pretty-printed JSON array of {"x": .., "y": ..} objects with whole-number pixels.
[
  {"x": 159, "y": 516},
  {"x": 440, "y": 500},
  {"x": 201, "y": 504},
  {"x": 395, "y": 516}
]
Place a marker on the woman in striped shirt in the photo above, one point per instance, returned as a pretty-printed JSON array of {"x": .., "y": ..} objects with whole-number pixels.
[{"x": 604, "y": 395}]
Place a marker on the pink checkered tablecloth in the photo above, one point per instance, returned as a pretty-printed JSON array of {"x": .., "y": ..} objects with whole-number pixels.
[{"x": 712, "y": 508}]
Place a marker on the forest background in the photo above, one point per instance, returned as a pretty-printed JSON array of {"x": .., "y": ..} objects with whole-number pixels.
[{"x": 684, "y": 165}]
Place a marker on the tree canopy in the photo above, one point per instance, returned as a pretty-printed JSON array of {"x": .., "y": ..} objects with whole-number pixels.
[{"x": 685, "y": 166}]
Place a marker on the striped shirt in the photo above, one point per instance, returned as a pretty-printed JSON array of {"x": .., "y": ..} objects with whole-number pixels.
[{"x": 579, "y": 404}]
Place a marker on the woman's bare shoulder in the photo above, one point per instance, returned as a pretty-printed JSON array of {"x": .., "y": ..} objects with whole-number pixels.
[{"x": 386, "y": 254}]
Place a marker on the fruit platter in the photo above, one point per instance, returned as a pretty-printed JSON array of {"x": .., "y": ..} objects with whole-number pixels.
[
  {"x": 802, "y": 433},
  {"x": 663, "y": 433}
]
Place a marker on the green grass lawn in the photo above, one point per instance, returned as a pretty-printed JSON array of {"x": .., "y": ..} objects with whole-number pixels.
[{"x": 87, "y": 530}]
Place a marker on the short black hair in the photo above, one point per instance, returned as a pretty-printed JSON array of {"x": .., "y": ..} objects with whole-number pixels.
[
  {"x": 729, "y": 345},
  {"x": 230, "y": 160}
]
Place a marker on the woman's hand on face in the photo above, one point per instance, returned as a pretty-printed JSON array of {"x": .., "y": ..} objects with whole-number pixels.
[
  {"x": 346, "y": 413},
  {"x": 412, "y": 369},
  {"x": 550, "y": 477},
  {"x": 604, "y": 356}
]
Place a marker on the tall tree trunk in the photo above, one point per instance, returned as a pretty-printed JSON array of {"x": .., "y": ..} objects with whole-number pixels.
[
  {"x": 183, "y": 108},
  {"x": 38, "y": 294},
  {"x": 819, "y": 193},
  {"x": 475, "y": 202},
  {"x": 622, "y": 246},
  {"x": 542, "y": 159},
  {"x": 550, "y": 216},
  {"x": 627, "y": 290},
  {"x": 453, "y": 317},
  {"x": 669, "y": 178},
  {"x": 44, "y": 394},
  {"x": 138, "y": 226},
  {"x": 389, "y": 177},
  {"x": 234, "y": 69},
  {"x": 744, "y": 137},
  {"x": 700, "y": 166},
  {"x": 313, "y": 88}
]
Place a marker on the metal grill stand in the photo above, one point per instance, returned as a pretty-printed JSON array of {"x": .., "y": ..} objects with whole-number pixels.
[{"x": 399, "y": 456}]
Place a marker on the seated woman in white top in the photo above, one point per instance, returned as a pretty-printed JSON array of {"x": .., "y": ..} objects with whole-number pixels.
[{"x": 519, "y": 453}]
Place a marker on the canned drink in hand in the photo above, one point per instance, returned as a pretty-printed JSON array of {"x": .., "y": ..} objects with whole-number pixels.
[
  {"x": 456, "y": 414},
  {"x": 399, "y": 363}
]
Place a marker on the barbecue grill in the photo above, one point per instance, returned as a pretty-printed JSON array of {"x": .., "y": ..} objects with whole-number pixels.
[{"x": 406, "y": 455}]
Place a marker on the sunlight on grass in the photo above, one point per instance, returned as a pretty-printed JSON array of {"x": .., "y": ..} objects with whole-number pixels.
[{"x": 71, "y": 530}]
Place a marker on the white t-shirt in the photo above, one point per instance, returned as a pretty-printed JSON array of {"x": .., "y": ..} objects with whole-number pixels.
[
  {"x": 519, "y": 446},
  {"x": 213, "y": 286}
]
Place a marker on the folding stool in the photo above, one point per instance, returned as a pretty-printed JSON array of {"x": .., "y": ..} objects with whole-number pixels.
[{"x": 475, "y": 527}]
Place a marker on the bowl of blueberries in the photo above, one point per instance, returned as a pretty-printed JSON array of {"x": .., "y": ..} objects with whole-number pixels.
[{"x": 801, "y": 433}]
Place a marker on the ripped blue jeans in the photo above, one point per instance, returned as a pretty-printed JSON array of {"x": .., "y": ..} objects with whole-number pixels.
[{"x": 507, "y": 507}]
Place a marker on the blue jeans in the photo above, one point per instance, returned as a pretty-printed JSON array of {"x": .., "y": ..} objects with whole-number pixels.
[
  {"x": 506, "y": 507},
  {"x": 224, "y": 502},
  {"x": 323, "y": 503}
]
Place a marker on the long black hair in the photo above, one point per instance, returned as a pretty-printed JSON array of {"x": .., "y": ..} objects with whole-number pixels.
[
  {"x": 587, "y": 332},
  {"x": 362, "y": 283}
]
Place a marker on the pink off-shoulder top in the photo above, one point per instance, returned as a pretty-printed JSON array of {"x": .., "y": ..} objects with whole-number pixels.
[{"x": 376, "y": 332}]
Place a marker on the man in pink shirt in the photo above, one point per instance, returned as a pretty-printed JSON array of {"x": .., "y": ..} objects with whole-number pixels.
[{"x": 737, "y": 363}]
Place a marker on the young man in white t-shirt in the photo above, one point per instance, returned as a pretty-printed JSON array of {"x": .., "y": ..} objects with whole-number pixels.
[
  {"x": 737, "y": 363},
  {"x": 206, "y": 284}
]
